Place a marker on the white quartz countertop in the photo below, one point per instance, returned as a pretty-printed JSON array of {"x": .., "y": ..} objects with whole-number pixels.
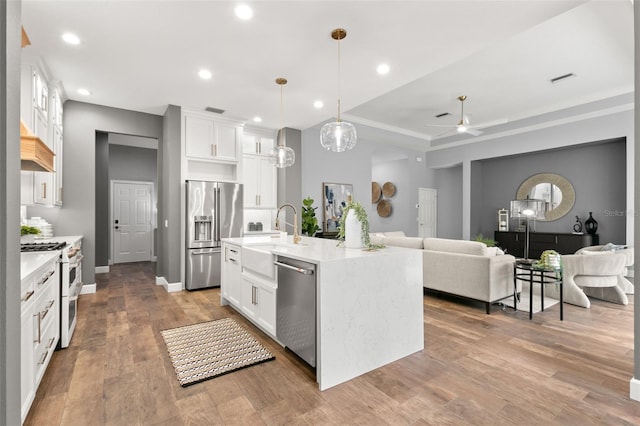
[
  {"x": 67, "y": 239},
  {"x": 30, "y": 262},
  {"x": 310, "y": 249}
]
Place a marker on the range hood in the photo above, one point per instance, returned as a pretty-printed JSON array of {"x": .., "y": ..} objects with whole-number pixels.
[{"x": 35, "y": 155}]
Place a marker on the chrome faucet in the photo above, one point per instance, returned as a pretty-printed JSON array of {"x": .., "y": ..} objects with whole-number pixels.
[{"x": 296, "y": 236}]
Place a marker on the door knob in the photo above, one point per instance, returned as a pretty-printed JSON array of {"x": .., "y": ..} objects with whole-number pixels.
[{"x": 117, "y": 227}]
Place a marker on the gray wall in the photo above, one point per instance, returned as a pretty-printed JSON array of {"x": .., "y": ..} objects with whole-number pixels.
[
  {"x": 118, "y": 162},
  {"x": 290, "y": 178},
  {"x": 613, "y": 122},
  {"x": 103, "y": 231},
  {"x": 77, "y": 216},
  {"x": 448, "y": 182},
  {"x": 355, "y": 167},
  {"x": 636, "y": 205},
  {"x": 598, "y": 174},
  {"x": 170, "y": 198},
  {"x": 10, "y": 213},
  {"x": 404, "y": 213}
]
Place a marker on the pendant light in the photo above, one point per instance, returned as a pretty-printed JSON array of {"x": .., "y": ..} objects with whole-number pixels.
[
  {"x": 338, "y": 136},
  {"x": 281, "y": 155}
]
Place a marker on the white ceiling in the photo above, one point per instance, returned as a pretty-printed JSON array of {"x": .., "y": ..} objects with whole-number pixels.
[{"x": 143, "y": 55}]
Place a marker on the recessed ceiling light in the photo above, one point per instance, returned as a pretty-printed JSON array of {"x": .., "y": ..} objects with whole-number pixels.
[
  {"x": 257, "y": 119},
  {"x": 84, "y": 92},
  {"x": 318, "y": 104},
  {"x": 243, "y": 12},
  {"x": 383, "y": 69},
  {"x": 71, "y": 38},
  {"x": 204, "y": 74}
]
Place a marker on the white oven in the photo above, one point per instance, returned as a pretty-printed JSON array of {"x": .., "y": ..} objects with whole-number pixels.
[{"x": 70, "y": 287}]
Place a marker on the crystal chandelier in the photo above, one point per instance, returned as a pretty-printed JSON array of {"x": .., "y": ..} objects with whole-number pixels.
[
  {"x": 338, "y": 136},
  {"x": 281, "y": 155}
]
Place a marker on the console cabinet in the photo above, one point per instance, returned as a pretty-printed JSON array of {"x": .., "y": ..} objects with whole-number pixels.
[{"x": 513, "y": 242}]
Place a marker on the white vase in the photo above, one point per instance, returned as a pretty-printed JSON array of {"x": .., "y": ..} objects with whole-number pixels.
[{"x": 352, "y": 231}]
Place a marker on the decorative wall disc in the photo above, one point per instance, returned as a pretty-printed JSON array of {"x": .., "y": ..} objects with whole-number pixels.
[
  {"x": 376, "y": 192},
  {"x": 384, "y": 208},
  {"x": 388, "y": 189}
]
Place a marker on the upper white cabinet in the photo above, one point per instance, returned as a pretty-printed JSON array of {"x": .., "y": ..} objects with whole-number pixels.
[
  {"x": 40, "y": 106},
  {"x": 46, "y": 188},
  {"x": 254, "y": 144},
  {"x": 212, "y": 146},
  {"x": 259, "y": 174},
  {"x": 41, "y": 116},
  {"x": 259, "y": 179},
  {"x": 209, "y": 138}
]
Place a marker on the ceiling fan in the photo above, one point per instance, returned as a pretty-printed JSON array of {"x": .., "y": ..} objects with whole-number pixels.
[{"x": 463, "y": 125}]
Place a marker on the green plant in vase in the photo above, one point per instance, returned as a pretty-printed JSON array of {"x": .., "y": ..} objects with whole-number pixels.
[
  {"x": 361, "y": 215},
  {"x": 309, "y": 220}
]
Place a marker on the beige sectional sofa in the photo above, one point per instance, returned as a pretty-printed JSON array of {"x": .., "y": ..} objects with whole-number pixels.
[{"x": 463, "y": 268}]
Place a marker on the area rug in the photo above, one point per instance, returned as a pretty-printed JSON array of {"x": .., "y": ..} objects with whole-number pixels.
[
  {"x": 523, "y": 304},
  {"x": 203, "y": 351}
]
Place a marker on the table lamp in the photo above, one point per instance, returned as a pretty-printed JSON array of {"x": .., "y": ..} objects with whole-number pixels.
[{"x": 529, "y": 208}]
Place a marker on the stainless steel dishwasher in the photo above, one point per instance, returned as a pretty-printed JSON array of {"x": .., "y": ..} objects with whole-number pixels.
[{"x": 296, "y": 307}]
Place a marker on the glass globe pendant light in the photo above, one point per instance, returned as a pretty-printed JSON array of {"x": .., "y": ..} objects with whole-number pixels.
[
  {"x": 338, "y": 136},
  {"x": 281, "y": 155}
]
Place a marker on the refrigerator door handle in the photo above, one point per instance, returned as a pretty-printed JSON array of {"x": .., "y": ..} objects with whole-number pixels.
[
  {"x": 202, "y": 252},
  {"x": 216, "y": 227}
]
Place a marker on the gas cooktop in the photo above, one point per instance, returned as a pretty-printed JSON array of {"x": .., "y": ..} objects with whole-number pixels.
[{"x": 29, "y": 247}]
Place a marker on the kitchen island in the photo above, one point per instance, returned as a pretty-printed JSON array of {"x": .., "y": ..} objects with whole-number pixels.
[{"x": 369, "y": 304}]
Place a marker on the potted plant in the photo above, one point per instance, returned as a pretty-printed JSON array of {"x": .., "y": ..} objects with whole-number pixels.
[
  {"x": 361, "y": 215},
  {"x": 486, "y": 240},
  {"x": 28, "y": 233},
  {"x": 309, "y": 220}
]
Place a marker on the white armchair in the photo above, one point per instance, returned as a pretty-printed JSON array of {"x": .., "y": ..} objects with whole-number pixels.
[{"x": 596, "y": 273}]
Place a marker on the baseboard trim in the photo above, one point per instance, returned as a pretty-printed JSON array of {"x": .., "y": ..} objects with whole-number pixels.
[
  {"x": 102, "y": 269},
  {"x": 88, "y": 289},
  {"x": 634, "y": 389},
  {"x": 169, "y": 287}
]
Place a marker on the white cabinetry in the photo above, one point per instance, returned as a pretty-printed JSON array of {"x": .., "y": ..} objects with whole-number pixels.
[
  {"x": 40, "y": 327},
  {"x": 42, "y": 109},
  {"x": 212, "y": 146},
  {"x": 259, "y": 302},
  {"x": 259, "y": 174},
  {"x": 231, "y": 274}
]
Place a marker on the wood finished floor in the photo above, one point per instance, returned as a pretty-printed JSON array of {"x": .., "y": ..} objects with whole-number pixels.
[{"x": 475, "y": 369}]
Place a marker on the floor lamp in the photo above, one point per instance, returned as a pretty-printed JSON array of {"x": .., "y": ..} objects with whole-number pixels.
[{"x": 529, "y": 209}]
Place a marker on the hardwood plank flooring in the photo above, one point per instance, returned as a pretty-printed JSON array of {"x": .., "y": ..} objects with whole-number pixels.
[{"x": 498, "y": 369}]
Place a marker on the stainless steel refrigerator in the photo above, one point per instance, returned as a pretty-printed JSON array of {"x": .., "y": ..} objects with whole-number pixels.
[{"x": 214, "y": 211}]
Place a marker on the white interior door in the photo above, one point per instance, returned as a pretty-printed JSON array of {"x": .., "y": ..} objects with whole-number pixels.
[
  {"x": 427, "y": 212},
  {"x": 131, "y": 221}
]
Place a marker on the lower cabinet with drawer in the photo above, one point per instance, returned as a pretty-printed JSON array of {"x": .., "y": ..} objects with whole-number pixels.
[{"x": 40, "y": 328}]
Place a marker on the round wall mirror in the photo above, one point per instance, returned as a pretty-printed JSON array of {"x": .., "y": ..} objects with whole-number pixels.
[{"x": 556, "y": 191}]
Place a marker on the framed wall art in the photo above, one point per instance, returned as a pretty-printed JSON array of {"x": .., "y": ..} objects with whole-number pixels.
[{"x": 334, "y": 200}]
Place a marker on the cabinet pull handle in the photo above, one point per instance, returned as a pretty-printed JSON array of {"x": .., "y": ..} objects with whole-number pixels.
[
  {"x": 27, "y": 296},
  {"x": 215, "y": 150},
  {"x": 53, "y": 339},
  {"x": 257, "y": 202},
  {"x": 257, "y": 147},
  {"x": 60, "y": 190},
  {"x": 233, "y": 251},
  {"x": 233, "y": 260},
  {"x": 39, "y": 330},
  {"x": 44, "y": 356},
  {"x": 44, "y": 190}
]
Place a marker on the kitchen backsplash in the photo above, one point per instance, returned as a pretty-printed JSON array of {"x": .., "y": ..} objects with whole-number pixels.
[{"x": 256, "y": 217}]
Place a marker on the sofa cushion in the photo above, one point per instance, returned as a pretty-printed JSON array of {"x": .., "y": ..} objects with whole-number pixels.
[
  {"x": 455, "y": 246},
  {"x": 409, "y": 242},
  {"x": 394, "y": 234}
]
